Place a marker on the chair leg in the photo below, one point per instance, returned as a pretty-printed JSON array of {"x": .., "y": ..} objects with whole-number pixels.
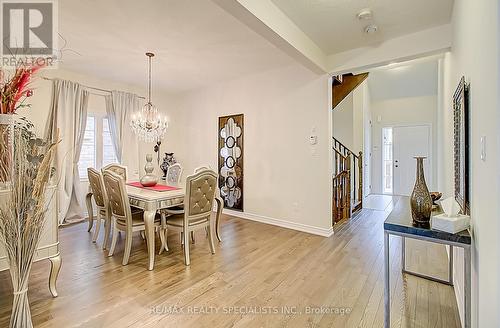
[
  {"x": 128, "y": 247},
  {"x": 182, "y": 238},
  {"x": 113, "y": 240},
  {"x": 107, "y": 229},
  {"x": 186, "y": 248},
  {"x": 97, "y": 227},
  {"x": 211, "y": 238},
  {"x": 162, "y": 239},
  {"x": 165, "y": 234},
  {"x": 192, "y": 237},
  {"x": 143, "y": 235}
]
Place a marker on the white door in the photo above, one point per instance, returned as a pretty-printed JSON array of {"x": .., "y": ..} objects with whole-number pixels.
[{"x": 408, "y": 142}]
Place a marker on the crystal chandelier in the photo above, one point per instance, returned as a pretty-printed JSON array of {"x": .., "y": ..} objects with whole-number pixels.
[{"x": 147, "y": 123}]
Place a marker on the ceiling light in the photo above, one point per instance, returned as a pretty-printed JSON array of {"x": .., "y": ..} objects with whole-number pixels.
[
  {"x": 371, "y": 29},
  {"x": 148, "y": 124},
  {"x": 365, "y": 14}
]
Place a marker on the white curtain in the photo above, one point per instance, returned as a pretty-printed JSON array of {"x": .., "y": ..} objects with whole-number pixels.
[
  {"x": 119, "y": 108},
  {"x": 67, "y": 120}
]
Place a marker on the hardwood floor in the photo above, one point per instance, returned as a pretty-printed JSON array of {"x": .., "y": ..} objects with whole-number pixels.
[{"x": 256, "y": 268}]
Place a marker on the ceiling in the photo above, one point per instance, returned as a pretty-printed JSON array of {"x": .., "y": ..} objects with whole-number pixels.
[
  {"x": 411, "y": 79},
  {"x": 333, "y": 24},
  {"x": 196, "y": 42}
]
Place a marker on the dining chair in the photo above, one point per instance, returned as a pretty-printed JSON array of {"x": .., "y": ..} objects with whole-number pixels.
[
  {"x": 123, "y": 218},
  {"x": 198, "y": 204},
  {"x": 101, "y": 200},
  {"x": 174, "y": 174},
  {"x": 116, "y": 168}
]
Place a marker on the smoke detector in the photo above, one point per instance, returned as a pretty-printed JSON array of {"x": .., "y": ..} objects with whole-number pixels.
[
  {"x": 371, "y": 29},
  {"x": 365, "y": 14}
]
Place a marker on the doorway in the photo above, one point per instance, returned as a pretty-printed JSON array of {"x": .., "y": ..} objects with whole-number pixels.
[{"x": 408, "y": 142}]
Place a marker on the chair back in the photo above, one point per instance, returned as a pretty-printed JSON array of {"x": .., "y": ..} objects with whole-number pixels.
[
  {"x": 97, "y": 186},
  {"x": 174, "y": 173},
  {"x": 118, "y": 199},
  {"x": 116, "y": 168},
  {"x": 203, "y": 167},
  {"x": 200, "y": 194}
]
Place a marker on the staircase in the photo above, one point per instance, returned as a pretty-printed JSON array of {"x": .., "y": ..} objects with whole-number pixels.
[
  {"x": 347, "y": 182},
  {"x": 347, "y": 196}
]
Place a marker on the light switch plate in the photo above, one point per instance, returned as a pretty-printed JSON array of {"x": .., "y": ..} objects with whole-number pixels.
[{"x": 483, "y": 148}]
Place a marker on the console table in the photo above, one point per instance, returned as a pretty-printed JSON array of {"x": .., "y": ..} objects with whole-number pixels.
[
  {"x": 48, "y": 248},
  {"x": 400, "y": 223}
]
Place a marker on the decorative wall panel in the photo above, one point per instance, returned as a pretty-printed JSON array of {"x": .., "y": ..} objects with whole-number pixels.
[{"x": 231, "y": 161}]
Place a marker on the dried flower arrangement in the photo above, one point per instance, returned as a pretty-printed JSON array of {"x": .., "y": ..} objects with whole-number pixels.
[
  {"x": 14, "y": 90},
  {"x": 22, "y": 215}
]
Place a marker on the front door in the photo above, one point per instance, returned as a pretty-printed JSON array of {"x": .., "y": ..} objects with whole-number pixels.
[{"x": 408, "y": 142}]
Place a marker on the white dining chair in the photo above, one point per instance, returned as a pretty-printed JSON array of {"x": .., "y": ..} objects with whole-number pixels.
[
  {"x": 198, "y": 204},
  {"x": 101, "y": 200},
  {"x": 123, "y": 218},
  {"x": 174, "y": 174},
  {"x": 118, "y": 169}
]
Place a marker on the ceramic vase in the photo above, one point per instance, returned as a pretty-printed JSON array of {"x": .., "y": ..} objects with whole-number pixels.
[
  {"x": 421, "y": 201},
  {"x": 149, "y": 180},
  {"x": 168, "y": 160}
]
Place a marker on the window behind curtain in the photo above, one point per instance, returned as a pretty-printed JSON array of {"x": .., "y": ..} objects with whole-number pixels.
[
  {"x": 108, "y": 150},
  {"x": 88, "y": 152},
  {"x": 97, "y": 148}
]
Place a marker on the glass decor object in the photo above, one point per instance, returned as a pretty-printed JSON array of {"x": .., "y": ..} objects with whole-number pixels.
[
  {"x": 147, "y": 123},
  {"x": 420, "y": 200},
  {"x": 231, "y": 161}
]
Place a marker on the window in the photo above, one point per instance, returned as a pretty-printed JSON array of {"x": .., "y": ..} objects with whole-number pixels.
[
  {"x": 108, "y": 150},
  {"x": 88, "y": 152},
  {"x": 97, "y": 148},
  {"x": 387, "y": 160}
]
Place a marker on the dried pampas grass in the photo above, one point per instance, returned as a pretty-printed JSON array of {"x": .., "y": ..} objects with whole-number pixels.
[{"x": 22, "y": 214}]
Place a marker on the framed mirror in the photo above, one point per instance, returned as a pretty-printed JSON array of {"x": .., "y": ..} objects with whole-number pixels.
[
  {"x": 461, "y": 144},
  {"x": 231, "y": 161}
]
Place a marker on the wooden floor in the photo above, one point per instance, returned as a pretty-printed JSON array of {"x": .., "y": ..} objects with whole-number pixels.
[{"x": 258, "y": 270}]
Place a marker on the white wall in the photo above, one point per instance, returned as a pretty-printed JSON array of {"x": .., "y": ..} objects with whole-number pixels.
[
  {"x": 285, "y": 178},
  {"x": 475, "y": 54},
  {"x": 343, "y": 120},
  {"x": 400, "y": 112}
]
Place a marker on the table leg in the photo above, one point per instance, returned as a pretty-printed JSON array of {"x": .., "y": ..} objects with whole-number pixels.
[
  {"x": 387, "y": 297},
  {"x": 450, "y": 267},
  {"x": 220, "y": 205},
  {"x": 149, "y": 222},
  {"x": 467, "y": 287},
  {"x": 403, "y": 253},
  {"x": 90, "y": 211},
  {"x": 55, "y": 267}
]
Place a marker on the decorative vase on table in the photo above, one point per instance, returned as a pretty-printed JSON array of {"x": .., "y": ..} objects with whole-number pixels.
[
  {"x": 421, "y": 201},
  {"x": 149, "y": 180},
  {"x": 168, "y": 160}
]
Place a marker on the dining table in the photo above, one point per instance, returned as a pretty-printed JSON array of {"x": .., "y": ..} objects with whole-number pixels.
[{"x": 151, "y": 202}]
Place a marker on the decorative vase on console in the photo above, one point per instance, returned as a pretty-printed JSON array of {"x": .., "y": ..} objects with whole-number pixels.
[
  {"x": 421, "y": 201},
  {"x": 149, "y": 180},
  {"x": 168, "y": 160}
]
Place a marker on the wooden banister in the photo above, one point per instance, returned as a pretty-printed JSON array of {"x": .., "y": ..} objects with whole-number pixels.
[{"x": 347, "y": 181}]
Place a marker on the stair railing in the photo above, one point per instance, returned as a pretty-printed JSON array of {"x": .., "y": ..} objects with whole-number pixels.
[
  {"x": 342, "y": 156},
  {"x": 341, "y": 198}
]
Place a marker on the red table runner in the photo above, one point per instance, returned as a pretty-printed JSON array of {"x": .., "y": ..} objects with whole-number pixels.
[{"x": 158, "y": 187}]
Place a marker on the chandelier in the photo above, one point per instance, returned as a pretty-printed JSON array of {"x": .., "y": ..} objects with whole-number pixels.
[{"x": 147, "y": 123}]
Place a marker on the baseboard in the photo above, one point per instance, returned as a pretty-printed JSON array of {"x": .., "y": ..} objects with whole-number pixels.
[{"x": 281, "y": 223}]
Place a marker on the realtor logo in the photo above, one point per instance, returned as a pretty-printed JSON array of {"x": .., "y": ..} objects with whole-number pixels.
[{"x": 28, "y": 28}]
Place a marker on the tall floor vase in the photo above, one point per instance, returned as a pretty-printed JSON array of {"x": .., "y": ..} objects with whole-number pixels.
[{"x": 421, "y": 201}]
